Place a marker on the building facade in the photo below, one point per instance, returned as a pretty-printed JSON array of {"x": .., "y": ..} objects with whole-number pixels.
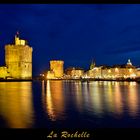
[
  {"x": 73, "y": 72},
  {"x": 96, "y": 72},
  {"x": 50, "y": 75},
  {"x": 114, "y": 72},
  {"x": 18, "y": 60}
]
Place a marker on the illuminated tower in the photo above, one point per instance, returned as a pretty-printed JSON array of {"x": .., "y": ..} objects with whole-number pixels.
[
  {"x": 18, "y": 59},
  {"x": 129, "y": 62},
  {"x": 57, "y": 67}
]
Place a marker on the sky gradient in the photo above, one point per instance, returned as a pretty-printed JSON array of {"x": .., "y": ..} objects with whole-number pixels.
[{"x": 75, "y": 33}]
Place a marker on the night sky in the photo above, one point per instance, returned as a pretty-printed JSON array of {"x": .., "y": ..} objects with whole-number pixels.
[{"x": 75, "y": 33}]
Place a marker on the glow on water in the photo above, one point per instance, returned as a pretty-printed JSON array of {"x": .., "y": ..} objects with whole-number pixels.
[{"x": 72, "y": 104}]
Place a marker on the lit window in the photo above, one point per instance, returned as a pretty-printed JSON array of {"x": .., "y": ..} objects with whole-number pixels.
[
  {"x": 130, "y": 70},
  {"x": 116, "y": 70}
]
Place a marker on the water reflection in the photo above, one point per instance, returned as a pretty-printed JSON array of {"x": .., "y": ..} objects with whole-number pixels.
[
  {"x": 118, "y": 99},
  {"x": 132, "y": 99},
  {"x": 78, "y": 95},
  {"x": 95, "y": 97},
  {"x": 63, "y": 101},
  {"x": 54, "y": 99},
  {"x": 115, "y": 97},
  {"x": 16, "y": 104}
]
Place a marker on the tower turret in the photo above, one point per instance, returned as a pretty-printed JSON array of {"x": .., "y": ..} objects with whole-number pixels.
[
  {"x": 129, "y": 62},
  {"x": 19, "y": 41}
]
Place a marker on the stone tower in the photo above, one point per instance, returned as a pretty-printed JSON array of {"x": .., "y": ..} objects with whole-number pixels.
[
  {"x": 18, "y": 59},
  {"x": 57, "y": 67}
]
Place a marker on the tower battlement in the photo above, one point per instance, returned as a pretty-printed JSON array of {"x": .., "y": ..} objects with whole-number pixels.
[
  {"x": 57, "y": 67},
  {"x": 18, "y": 59}
]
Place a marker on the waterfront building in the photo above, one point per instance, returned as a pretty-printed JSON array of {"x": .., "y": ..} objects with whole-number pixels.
[
  {"x": 57, "y": 67},
  {"x": 18, "y": 60},
  {"x": 120, "y": 71},
  {"x": 113, "y": 72},
  {"x": 95, "y": 72},
  {"x": 138, "y": 72},
  {"x": 73, "y": 72},
  {"x": 50, "y": 75}
]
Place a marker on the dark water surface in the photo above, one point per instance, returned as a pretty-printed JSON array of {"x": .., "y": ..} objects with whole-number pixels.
[{"x": 69, "y": 104}]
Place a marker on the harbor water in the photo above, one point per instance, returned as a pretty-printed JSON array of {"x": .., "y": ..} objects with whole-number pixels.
[{"x": 69, "y": 104}]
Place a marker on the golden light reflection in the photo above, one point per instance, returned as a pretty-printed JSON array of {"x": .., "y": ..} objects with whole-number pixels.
[
  {"x": 43, "y": 94},
  {"x": 98, "y": 97},
  {"x": 118, "y": 99},
  {"x": 85, "y": 92},
  {"x": 79, "y": 96},
  {"x": 95, "y": 95},
  {"x": 49, "y": 102},
  {"x": 133, "y": 98},
  {"x": 120, "y": 95},
  {"x": 55, "y": 100},
  {"x": 109, "y": 96},
  {"x": 109, "y": 100},
  {"x": 16, "y": 104}
]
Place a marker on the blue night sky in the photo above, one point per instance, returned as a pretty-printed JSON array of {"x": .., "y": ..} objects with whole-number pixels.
[{"x": 75, "y": 33}]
